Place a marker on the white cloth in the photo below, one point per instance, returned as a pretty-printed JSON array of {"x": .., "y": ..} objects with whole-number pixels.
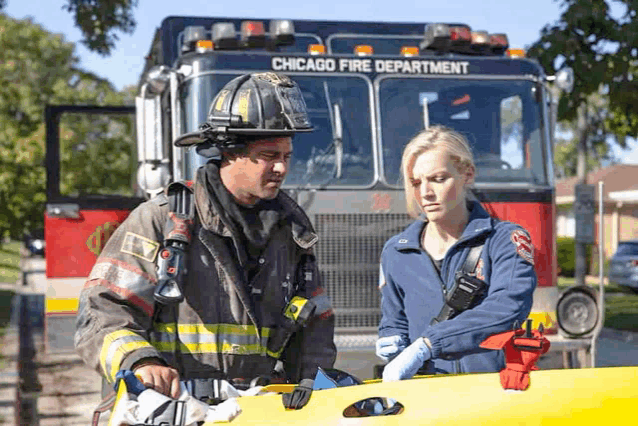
[{"x": 132, "y": 410}]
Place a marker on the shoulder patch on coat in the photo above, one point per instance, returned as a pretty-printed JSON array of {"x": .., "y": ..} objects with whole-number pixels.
[
  {"x": 523, "y": 243},
  {"x": 139, "y": 246}
]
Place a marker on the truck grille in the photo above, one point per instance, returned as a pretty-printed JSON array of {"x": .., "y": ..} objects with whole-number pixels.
[{"x": 348, "y": 253}]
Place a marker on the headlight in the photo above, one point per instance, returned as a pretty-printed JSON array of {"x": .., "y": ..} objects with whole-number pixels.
[{"x": 577, "y": 312}]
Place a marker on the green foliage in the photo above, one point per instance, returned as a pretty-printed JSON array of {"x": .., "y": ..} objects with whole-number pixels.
[
  {"x": 598, "y": 147},
  {"x": 100, "y": 20},
  {"x": 600, "y": 48},
  {"x": 566, "y": 256},
  {"x": 10, "y": 262},
  {"x": 39, "y": 68}
]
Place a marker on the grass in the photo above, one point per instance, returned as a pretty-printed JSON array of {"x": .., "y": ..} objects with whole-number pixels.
[
  {"x": 10, "y": 262},
  {"x": 621, "y": 308},
  {"x": 5, "y": 308}
]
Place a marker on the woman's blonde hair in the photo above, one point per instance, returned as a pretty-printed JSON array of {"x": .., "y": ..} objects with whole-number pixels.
[{"x": 432, "y": 138}]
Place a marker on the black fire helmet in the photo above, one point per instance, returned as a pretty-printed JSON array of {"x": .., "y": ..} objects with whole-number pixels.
[{"x": 249, "y": 107}]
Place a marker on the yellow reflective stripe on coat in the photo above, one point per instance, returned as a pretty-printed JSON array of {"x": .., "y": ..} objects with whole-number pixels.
[
  {"x": 231, "y": 339},
  {"x": 115, "y": 347}
]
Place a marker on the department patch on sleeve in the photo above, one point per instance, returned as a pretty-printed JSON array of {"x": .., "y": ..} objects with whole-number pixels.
[
  {"x": 524, "y": 246},
  {"x": 139, "y": 246}
]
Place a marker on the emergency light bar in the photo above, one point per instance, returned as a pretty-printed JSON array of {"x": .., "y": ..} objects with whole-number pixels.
[
  {"x": 499, "y": 43},
  {"x": 224, "y": 35},
  {"x": 192, "y": 35},
  {"x": 282, "y": 31},
  {"x": 253, "y": 34},
  {"x": 480, "y": 41},
  {"x": 443, "y": 36}
]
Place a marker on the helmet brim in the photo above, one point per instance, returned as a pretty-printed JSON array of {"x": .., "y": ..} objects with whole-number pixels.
[
  {"x": 194, "y": 138},
  {"x": 188, "y": 139}
]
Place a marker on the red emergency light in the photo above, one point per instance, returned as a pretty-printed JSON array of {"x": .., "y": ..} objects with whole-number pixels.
[
  {"x": 253, "y": 34},
  {"x": 445, "y": 37},
  {"x": 460, "y": 34},
  {"x": 499, "y": 43}
]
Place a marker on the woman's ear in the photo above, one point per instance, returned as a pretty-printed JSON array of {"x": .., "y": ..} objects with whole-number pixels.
[{"x": 470, "y": 173}]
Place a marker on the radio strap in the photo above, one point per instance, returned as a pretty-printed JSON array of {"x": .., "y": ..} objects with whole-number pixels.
[
  {"x": 465, "y": 289},
  {"x": 177, "y": 237}
]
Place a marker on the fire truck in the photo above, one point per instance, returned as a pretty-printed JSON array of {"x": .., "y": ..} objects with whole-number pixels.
[{"x": 369, "y": 87}]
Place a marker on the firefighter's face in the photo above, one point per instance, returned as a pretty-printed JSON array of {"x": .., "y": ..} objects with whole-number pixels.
[
  {"x": 439, "y": 187},
  {"x": 259, "y": 173}
]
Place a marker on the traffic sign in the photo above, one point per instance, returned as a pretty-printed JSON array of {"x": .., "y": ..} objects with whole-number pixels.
[{"x": 584, "y": 212}]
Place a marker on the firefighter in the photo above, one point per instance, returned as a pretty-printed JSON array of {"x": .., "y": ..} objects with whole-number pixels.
[
  {"x": 250, "y": 297},
  {"x": 455, "y": 276}
]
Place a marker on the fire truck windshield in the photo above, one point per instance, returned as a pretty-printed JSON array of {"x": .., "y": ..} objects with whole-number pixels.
[
  {"x": 317, "y": 156},
  {"x": 500, "y": 118}
]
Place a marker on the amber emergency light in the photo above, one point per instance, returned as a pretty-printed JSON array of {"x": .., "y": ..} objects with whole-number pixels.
[
  {"x": 317, "y": 49},
  {"x": 363, "y": 50}
]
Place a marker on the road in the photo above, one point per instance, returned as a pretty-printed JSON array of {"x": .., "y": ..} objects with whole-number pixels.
[{"x": 70, "y": 390}]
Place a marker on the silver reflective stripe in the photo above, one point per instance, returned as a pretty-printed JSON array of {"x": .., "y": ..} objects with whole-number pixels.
[
  {"x": 115, "y": 347},
  {"x": 122, "y": 277},
  {"x": 213, "y": 338}
]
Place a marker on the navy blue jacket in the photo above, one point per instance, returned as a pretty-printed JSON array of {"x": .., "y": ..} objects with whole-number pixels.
[{"x": 412, "y": 291}]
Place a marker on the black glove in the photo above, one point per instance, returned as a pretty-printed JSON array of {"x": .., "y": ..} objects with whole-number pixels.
[{"x": 300, "y": 395}]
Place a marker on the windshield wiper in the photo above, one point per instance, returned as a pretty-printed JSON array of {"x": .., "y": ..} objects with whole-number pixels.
[
  {"x": 337, "y": 140},
  {"x": 426, "y": 113}
]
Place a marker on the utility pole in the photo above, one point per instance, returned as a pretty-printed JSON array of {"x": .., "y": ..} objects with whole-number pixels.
[{"x": 584, "y": 205}]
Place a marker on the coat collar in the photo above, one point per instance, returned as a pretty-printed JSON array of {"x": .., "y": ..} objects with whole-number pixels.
[
  {"x": 302, "y": 230},
  {"x": 479, "y": 223}
]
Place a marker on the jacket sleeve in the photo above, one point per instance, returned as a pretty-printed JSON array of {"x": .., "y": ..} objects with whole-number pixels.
[
  {"x": 394, "y": 321},
  {"x": 116, "y": 304},
  {"x": 508, "y": 299},
  {"x": 312, "y": 346}
]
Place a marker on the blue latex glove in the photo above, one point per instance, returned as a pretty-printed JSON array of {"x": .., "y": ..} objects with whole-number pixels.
[
  {"x": 390, "y": 346},
  {"x": 408, "y": 362}
]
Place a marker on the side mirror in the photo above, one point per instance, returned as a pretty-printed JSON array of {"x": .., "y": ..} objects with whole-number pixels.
[{"x": 564, "y": 79}]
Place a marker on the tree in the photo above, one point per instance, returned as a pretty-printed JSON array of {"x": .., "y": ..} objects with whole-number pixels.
[
  {"x": 598, "y": 147},
  {"x": 39, "y": 68},
  {"x": 100, "y": 21},
  {"x": 600, "y": 48}
]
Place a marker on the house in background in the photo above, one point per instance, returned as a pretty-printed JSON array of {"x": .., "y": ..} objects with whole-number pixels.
[{"x": 620, "y": 197}]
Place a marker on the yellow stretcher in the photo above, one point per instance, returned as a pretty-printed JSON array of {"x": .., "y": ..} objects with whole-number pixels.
[{"x": 554, "y": 397}]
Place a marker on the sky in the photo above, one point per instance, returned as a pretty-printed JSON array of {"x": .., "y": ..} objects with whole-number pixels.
[{"x": 521, "y": 21}]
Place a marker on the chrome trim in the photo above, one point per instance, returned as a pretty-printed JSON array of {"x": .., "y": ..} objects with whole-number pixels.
[
  {"x": 66, "y": 211},
  {"x": 176, "y": 128}
]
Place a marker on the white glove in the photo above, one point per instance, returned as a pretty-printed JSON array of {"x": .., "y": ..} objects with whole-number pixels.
[
  {"x": 408, "y": 362},
  {"x": 390, "y": 346}
]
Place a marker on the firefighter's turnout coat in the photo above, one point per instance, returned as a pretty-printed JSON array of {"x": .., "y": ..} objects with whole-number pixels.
[
  {"x": 412, "y": 291},
  {"x": 225, "y": 327}
]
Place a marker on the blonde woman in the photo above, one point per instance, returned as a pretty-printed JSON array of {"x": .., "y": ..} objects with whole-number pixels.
[{"x": 427, "y": 264}]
